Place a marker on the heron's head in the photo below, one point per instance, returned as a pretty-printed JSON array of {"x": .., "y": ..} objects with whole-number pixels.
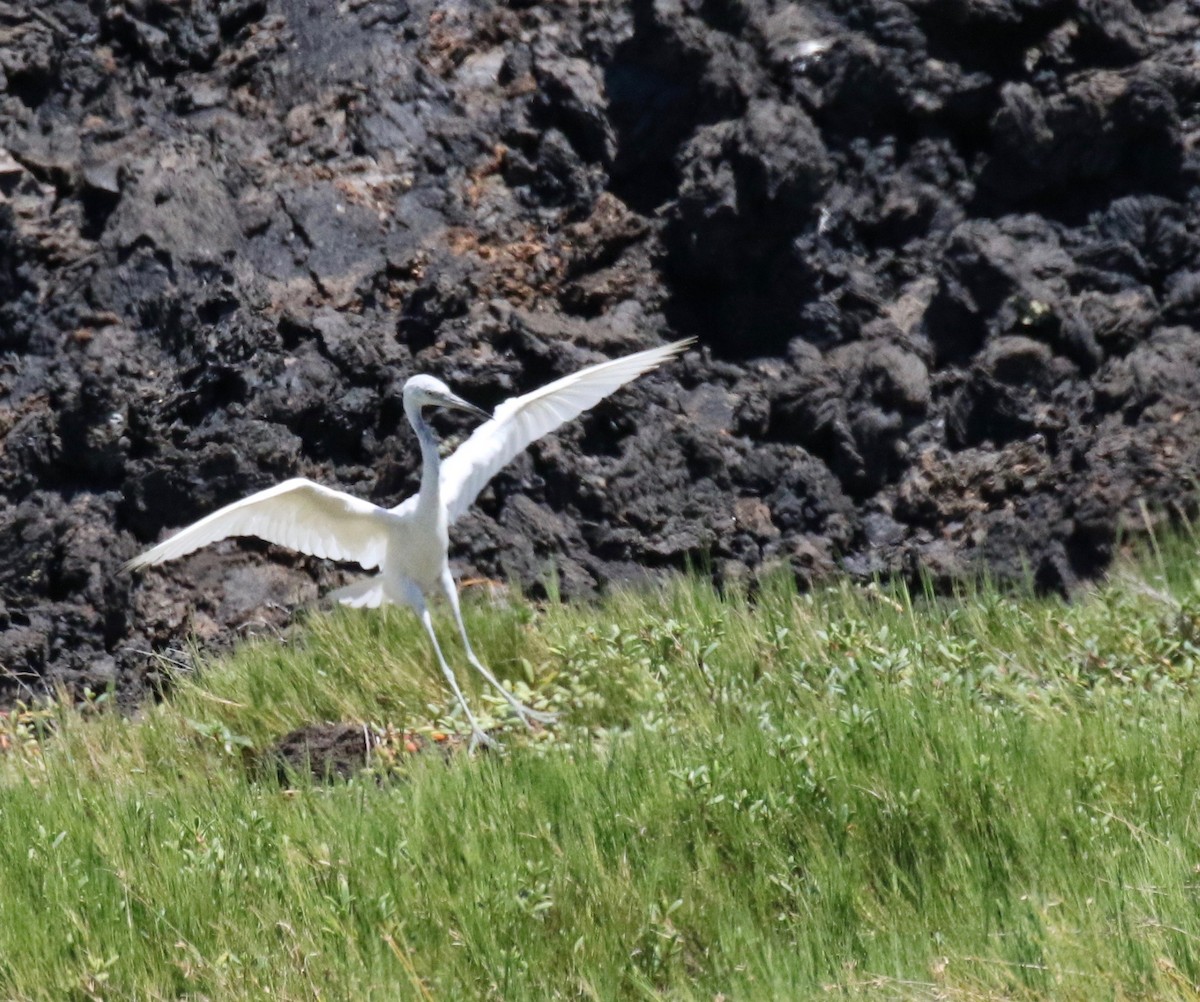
[{"x": 428, "y": 391}]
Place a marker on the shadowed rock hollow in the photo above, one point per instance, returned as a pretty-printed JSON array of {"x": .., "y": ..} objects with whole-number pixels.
[{"x": 942, "y": 256}]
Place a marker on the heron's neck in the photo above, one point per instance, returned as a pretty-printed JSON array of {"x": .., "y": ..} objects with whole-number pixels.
[{"x": 430, "y": 462}]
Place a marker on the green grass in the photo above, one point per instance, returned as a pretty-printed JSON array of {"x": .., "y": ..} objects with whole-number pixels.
[{"x": 851, "y": 794}]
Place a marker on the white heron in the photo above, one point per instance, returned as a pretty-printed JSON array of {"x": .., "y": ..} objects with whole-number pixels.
[{"x": 409, "y": 543}]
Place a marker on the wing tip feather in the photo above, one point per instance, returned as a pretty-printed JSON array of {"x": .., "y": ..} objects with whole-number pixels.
[
  {"x": 678, "y": 347},
  {"x": 148, "y": 558},
  {"x": 656, "y": 356}
]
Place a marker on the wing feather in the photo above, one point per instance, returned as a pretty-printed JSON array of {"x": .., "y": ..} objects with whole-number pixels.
[
  {"x": 523, "y": 420},
  {"x": 369, "y": 593},
  {"x": 299, "y": 514}
]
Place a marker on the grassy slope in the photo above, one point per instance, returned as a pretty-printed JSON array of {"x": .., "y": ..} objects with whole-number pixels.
[{"x": 851, "y": 794}]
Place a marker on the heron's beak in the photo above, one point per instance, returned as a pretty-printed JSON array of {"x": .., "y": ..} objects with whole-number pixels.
[{"x": 457, "y": 402}]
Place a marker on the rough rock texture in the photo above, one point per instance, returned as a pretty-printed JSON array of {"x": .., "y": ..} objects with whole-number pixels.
[{"x": 942, "y": 256}]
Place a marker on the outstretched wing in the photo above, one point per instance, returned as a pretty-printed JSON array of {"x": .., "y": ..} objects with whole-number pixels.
[
  {"x": 298, "y": 514},
  {"x": 522, "y": 420}
]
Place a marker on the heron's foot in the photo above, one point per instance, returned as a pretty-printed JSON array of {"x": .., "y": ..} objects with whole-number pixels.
[
  {"x": 480, "y": 739},
  {"x": 530, "y": 717}
]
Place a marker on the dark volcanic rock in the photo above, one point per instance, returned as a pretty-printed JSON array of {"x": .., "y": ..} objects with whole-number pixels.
[{"x": 941, "y": 256}]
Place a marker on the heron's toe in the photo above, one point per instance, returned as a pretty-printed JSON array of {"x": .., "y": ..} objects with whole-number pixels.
[
  {"x": 480, "y": 739},
  {"x": 529, "y": 717}
]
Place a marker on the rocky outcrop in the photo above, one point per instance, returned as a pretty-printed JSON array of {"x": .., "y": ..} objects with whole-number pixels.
[{"x": 942, "y": 257}]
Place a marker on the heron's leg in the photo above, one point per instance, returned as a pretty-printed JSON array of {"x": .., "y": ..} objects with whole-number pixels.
[
  {"x": 413, "y": 597},
  {"x": 520, "y": 709}
]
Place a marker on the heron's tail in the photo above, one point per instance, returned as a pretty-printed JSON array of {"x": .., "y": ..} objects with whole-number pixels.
[{"x": 369, "y": 593}]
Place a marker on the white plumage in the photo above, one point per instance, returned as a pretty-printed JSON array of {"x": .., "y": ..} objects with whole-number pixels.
[
  {"x": 408, "y": 543},
  {"x": 520, "y": 421},
  {"x": 299, "y": 514}
]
